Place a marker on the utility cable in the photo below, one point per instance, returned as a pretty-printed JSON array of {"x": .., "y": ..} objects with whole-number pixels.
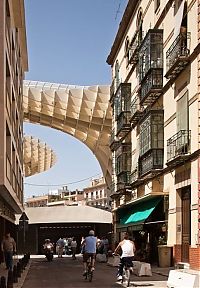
[{"x": 47, "y": 185}]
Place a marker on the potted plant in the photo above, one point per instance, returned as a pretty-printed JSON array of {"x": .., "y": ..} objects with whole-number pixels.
[{"x": 162, "y": 240}]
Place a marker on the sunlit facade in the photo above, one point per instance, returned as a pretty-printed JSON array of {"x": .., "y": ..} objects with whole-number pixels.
[
  {"x": 97, "y": 194},
  {"x": 13, "y": 64},
  {"x": 155, "y": 137}
]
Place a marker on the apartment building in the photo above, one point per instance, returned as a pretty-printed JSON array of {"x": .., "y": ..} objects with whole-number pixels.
[
  {"x": 62, "y": 197},
  {"x": 13, "y": 64},
  {"x": 72, "y": 197},
  {"x": 41, "y": 201},
  {"x": 155, "y": 138},
  {"x": 96, "y": 194}
]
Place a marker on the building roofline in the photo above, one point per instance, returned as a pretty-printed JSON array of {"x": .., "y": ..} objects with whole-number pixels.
[{"x": 130, "y": 8}]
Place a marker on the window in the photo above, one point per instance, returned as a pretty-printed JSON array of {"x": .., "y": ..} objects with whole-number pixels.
[
  {"x": 177, "y": 4},
  {"x": 182, "y": 113},
  {"x": 152, "y": 133},
  {"x": 127, "y": 51},
  {"x": 117, "y": 73},
  {"x": 157, "y": 4},
  {"x": 139, "y": 26}
]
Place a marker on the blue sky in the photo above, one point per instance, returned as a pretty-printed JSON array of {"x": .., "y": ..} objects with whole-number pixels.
[{"x": 68, "y": 42}]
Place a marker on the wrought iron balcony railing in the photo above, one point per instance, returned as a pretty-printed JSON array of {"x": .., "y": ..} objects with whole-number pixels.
[
  {"x": 177, "y": 55},
  {"x": 114, "y": 141},
  {"x": 151, "y": 52},
  {"x": 113, "y": 88},
  {"x": 134, "y": 175},
  {"x": 136, "y": 111},
  {"x": 123, "y": 163},
  {"x": 178, "y": 145},
  {"x": 123, "y": 122},
  {"x": 151, "y": 86},
  {"x": 134, "y": 50},
  {"x": 151, "y": 162},
  {"x": 112, "y": 188},
  {"x": 123, "y": 181}
]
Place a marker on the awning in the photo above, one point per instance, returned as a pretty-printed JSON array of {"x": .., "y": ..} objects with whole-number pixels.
[{"x": 139, "y": 213}]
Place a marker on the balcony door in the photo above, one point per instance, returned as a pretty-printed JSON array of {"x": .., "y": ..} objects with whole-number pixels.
[{"x": 186, "y": 223}]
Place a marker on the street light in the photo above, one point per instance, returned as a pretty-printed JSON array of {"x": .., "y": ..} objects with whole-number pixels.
[{"x": 23, "y": 226}]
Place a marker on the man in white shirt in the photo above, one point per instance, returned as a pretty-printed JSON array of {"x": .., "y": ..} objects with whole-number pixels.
[{"x": 127, "y": 248}]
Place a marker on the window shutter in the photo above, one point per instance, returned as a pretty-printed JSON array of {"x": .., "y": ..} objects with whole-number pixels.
[{"x": 182, "y": 113}]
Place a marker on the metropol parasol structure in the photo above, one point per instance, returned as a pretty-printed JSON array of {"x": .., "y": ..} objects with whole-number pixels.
[{"x": 83, "y": 112}]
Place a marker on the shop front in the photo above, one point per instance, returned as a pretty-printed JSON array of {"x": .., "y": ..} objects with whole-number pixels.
[{"x": 145, "y": 221}]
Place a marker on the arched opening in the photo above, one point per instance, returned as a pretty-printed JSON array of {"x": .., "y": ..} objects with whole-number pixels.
[
  {"x": 126, "y": 50},
  {"x": 139, "y": 26},
  {"x": 117, "y": 78}
]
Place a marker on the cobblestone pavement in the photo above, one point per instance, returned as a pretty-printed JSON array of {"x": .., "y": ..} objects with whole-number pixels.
[{"x": 65, "y": 272}]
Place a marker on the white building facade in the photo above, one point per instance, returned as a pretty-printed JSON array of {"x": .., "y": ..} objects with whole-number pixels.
[
  {"x": 155, "y": 139},
  {"x": 96, "y": 194}
]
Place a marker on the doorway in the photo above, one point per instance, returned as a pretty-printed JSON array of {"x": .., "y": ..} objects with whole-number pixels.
[{"x": 186, "y": 223}]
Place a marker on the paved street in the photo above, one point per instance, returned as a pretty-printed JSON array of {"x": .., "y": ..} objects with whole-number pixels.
[{"x": 65, "y": 272}]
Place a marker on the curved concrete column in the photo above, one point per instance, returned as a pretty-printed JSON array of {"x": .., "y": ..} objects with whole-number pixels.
[{"x": 80, "y": 111}]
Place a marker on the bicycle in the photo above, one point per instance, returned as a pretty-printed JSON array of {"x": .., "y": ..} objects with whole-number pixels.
[
  {"x": 127, "y": 269},
  {"x": 89, "y": 274},
  {"x": 126, "y": 275}
]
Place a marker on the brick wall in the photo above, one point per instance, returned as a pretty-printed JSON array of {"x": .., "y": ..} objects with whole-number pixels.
[
  {"x": 177, "y": 253},
  {"x": 195, "y": 258}
]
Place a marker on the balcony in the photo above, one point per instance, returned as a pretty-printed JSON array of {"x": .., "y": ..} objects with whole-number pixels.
[
  {"x": 151, "y": 162},
  {"x": 123, "y": 159},
  {"x": 135, "y": 179},
  {"x": 178, "y": 147},
  {"x": 113, "y": 141},
  {"x": 123, "y": 182},
  {"x": 137, "y": 111},
  {"x": 152, "y": 131},
  {"x": 113, "y": 88},
  {"x": 134, "y": 50},
  {"x": 177, "y": 56},
  {"x": 151, "y": 86},
  {"x": 151, "y": 53},
  {"x": 123, "y": 123}
]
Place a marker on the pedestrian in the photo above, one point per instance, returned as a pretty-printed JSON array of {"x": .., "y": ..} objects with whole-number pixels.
[
  {"x": 65, "y": 242},
  {"x": 82, "y": 246},
  {"x": 59, "y": 247},
  {"x": 105, "y": 245},
  {"x": 8, "y": 247},
  {"x": 73, "y": 247}
]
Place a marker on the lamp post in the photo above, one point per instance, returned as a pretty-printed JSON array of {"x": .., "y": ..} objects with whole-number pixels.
[{"x": 23, "y": 226}]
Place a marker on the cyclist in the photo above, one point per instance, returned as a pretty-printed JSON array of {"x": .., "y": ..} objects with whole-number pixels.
[
  {"x": 127, "y": 248},
  {"x": 90, "y": 245}
]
